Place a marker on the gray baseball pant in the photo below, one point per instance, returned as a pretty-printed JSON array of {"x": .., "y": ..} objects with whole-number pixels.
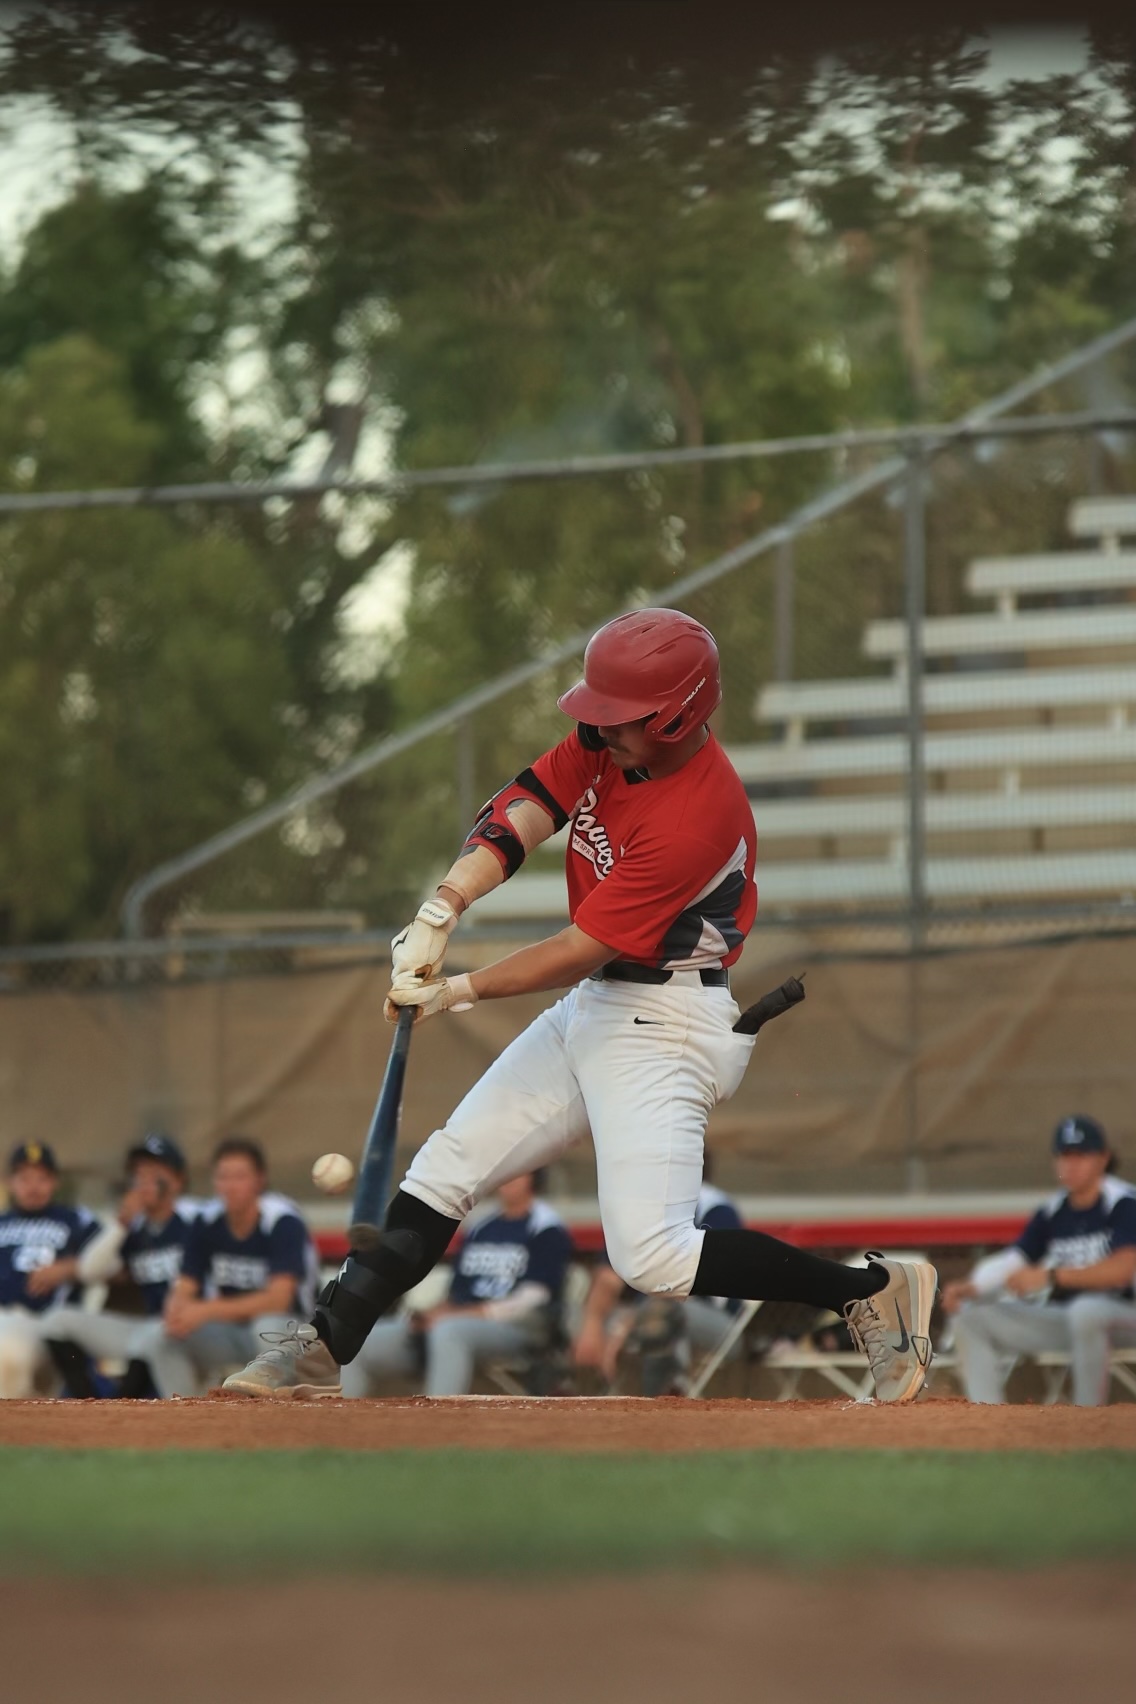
[
  {"x": 179, "y": 1365},
  {"x": 989, "y": 1336},
  {"x": 105, "y": 1336},
  {"x": 454, "y": 1346}
]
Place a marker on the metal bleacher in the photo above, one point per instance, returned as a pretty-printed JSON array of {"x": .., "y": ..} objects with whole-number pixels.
[{"x": 1029, "y": 748}]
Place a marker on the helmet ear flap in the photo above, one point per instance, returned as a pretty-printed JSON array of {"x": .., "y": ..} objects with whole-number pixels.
[{"x": 589, "y": 736}]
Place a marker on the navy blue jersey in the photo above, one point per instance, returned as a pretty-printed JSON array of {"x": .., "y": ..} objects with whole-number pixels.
[
  {"x": 499, "y": 1253},
  {"x": 1062, "y": 1235},
  {"x": 153, "y": 1256},
  {"x": 715, "y": 1211},
  {"x": 31, "y": 1240},
  {"x": 225, "y": 1265}
]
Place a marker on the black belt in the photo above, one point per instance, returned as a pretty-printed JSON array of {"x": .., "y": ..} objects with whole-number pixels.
[{"x": 621, "y": 971}]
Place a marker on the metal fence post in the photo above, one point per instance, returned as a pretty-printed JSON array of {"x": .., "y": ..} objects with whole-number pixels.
[
  {"x": 784, "y": 610},
  {"x": 467, "y": 778},
  {"x": 915, "y": 609}
]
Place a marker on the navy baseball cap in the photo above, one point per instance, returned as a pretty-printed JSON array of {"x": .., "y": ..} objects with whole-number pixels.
[
  {"x": 157, "y": 1146},
  {"x": 1079, "y": 1135},
  {"x": 33, "y": 1154}
]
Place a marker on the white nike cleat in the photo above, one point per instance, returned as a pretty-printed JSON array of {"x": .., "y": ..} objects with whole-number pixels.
[
  {"x": 893, "y": 1328},
  {"x": 297, "y": 1365}
]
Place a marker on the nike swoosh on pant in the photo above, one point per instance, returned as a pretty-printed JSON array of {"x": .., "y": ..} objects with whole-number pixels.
[{"x": 656, "y": 1023}]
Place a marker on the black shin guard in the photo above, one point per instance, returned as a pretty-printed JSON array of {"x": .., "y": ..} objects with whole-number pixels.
[
  {"x": 371, "y": 1281},
  {"x": 755, "y": 1267}
]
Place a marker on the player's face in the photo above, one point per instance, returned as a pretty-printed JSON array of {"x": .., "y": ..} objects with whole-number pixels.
[
  {"x": 1080, "y": 1174},
  {"x": 156, "y": 1184},
  {"x": 32, "y": 1188},
  {"x": 516, "y": 1195},
  {"x": 629, "y": 746},
  {"x": 237, "y": 1182}
]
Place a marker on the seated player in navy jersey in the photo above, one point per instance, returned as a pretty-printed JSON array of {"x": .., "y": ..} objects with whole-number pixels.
[
  {"x": 248, "y": 1268},
  {"x": 1065, "y": 1285},
  {"x": 40, "y": 1244},
  {"x": 143, "y": 1242},
  {"x": 507, "y": 1285},
  {"x": 662, "y": 1331}
]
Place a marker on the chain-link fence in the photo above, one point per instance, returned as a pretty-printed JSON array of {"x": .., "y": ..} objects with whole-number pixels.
[{"x": 930, "y": 662}]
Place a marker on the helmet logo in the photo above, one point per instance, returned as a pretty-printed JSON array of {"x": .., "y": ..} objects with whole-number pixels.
[{"x": 693, "y": 693}]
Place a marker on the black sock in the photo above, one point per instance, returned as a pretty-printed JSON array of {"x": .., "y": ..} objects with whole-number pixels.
[
  {"x": 73, "y": 1367},
  {"x": 136, "y": 1382},
  {"x": 755, "y": 1267}
]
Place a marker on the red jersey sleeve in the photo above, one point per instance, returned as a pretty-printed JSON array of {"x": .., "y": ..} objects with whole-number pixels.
[
  {"x": 651, "y": 885},
  {"x": 566, "y": 771}
]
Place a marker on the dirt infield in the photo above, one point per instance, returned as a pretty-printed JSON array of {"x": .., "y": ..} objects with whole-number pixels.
[
  {"x": 564, "y": 1423},
  {"x": 741, "y": 1635}
]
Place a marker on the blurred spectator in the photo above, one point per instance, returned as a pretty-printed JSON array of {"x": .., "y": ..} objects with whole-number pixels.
[
  {"x": 1067, "y": 1281},
  {"x": 40, "y": 1244},
  {"x": 660, "y": 1330},
  {"x": 249, "y": 1267},
  {"x": 503, "y": 1303},
  {"x": 145, "y": 1241}
]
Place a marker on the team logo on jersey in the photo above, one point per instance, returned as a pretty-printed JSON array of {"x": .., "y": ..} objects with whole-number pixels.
[{"x": 589, "y": 837}]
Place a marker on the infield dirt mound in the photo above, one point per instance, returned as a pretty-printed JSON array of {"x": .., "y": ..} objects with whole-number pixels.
[{"x": 560, "y": 1423}]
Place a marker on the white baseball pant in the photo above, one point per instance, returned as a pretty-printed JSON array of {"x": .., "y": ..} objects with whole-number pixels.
[
  {"x": 641, "y": 1066},
  {"x": 989, "y": 1336}
]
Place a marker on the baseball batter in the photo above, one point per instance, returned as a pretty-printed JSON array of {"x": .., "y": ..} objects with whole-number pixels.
[{"x": 660, "y": 872}]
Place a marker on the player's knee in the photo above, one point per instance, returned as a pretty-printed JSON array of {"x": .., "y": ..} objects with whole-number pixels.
[
  {"x": 60, "y": 1323},
  {"x": 656, "y": 1263},
  {"x": 18, "y": 1356},
  {"x": 1087, "y": 1315}
]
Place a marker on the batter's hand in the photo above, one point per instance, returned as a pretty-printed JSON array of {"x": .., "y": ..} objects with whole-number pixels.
[
  {"x": 448, "y": 993},
  {"x": 418, "y": 950}
]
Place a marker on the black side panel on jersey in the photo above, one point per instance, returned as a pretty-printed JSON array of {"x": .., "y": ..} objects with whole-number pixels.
[{"x": 719, "y": 909}]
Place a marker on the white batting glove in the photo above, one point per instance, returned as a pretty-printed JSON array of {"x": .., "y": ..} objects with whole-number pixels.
[
  {"x": 418, "y": 950},
  {"x": 448, "y": 993}
]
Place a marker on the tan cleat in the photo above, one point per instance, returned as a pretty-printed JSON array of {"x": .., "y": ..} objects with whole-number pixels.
[
  {"x": 296, "y": 1366},
  {"x": 893, "y": 1328}
]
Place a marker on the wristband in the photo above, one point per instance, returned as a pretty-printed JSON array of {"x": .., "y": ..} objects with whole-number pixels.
[
  {"x": 463, "y": 991},
  {"x": 438, "y": 913}
]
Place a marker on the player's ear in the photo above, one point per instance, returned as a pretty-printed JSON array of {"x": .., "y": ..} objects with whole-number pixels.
[{"x": 589, "y": 736}]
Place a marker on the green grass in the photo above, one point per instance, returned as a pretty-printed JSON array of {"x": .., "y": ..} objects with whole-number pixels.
[{"x": 151, "y": 1515}]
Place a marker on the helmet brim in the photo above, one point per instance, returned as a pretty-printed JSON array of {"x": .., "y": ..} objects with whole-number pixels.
[{"x": 584, "y": 704}]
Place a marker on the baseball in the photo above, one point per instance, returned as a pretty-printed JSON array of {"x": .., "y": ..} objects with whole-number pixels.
[{"x": 332, "y": 1173}]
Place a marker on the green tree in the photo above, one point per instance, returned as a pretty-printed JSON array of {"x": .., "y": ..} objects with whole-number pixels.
[{"x": 137, "y": 708}]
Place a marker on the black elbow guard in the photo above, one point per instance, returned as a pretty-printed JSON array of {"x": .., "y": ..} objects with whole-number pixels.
[{"x": 498, "y": 837}]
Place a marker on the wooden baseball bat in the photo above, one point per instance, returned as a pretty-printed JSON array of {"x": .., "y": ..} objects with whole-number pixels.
[{"x": 373, "y": 1187}]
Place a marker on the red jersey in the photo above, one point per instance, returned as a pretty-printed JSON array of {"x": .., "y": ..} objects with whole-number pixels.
[{"x": 660, "y": 870}]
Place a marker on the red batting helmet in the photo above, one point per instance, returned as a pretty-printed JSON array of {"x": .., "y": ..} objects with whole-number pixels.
[{"x": 654, "y": 663}]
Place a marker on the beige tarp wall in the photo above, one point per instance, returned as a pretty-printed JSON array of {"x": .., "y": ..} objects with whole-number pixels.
[{"x": 1008, "y": 1040}]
